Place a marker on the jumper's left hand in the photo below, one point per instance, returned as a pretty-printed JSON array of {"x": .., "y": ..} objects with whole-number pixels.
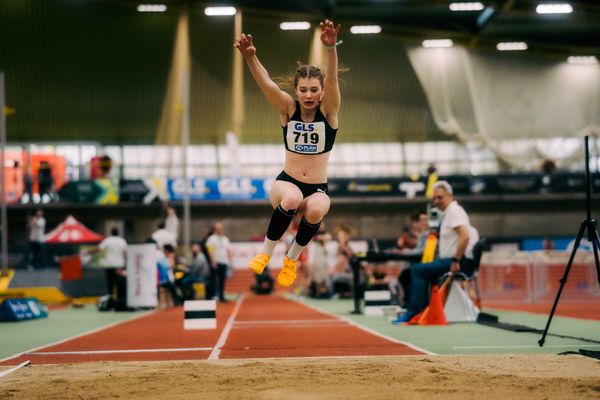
[{"x": 329, "y": 32}]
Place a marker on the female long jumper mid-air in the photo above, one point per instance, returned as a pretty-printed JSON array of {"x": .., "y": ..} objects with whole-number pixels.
[{"x": 309, "y": 129}]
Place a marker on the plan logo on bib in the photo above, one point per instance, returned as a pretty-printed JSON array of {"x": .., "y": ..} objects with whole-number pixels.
[{"x": 305, "y": 148}]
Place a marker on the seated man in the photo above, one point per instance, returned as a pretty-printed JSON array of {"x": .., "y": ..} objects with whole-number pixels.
[
  {"x": 263, "y": 283},
  {"x": 196, "y": 271},
  {"x": 454, "y": 252},
  {"x": 318, "y": 266},
  {"x": 409, "y": 239},
  {"x": 420, "y": 224},
  {"x": 168, "y": 272},
  {"x": 341, "y": 276},
  {"x": 377, "y": 277}
]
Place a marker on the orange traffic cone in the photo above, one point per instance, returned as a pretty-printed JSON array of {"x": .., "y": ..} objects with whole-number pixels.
[
  {"x": 415, "y": 320},
  {"x": 443, "y": 291},
  {"x": 442, "y": 294},
  {"x": 434, "y": 314}
]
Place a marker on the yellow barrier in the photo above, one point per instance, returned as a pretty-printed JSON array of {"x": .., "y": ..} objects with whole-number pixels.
[
  {"x": 5, "y": 280},
  {"x": 200, "y": 290},
  {"x": 429, "y": 250},
  {"x": 48, "y": 295}
]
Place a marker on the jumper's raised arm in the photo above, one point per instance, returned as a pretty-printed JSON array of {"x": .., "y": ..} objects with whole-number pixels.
[
  {"x": 279, "y": 99},
  {"x": 331, "y": 96}
]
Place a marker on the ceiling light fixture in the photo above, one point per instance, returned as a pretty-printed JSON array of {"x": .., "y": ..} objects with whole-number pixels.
[
  {"x": 511, "y": 46},
  {"x": 218, "y": 11},
  {"x": 437, "y": 43},
  {"x": 470, "y": 6},
  {"x": 582, "y": 60},
  {"x": 294, "y": 26},
  {"x": 151, "y": 8},
  {"x": 554, "y": 8},
  {"x": 365, "y": 29}
]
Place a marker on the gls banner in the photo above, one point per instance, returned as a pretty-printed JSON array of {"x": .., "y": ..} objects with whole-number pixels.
[
  {"x": 197, "y": 188},
  {"x": 220, "y": 189}
]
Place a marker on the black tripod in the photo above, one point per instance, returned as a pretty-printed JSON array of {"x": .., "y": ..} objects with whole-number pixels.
[{"x": 589, "y": 225}]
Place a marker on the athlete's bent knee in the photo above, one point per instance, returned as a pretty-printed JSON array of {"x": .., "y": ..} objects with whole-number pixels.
[
  {"x": 315, "y": 214},
  {"x": 291, "y": 201}
]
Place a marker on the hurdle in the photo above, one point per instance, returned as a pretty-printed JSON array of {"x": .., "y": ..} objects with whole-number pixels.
[
  {"x": 375, "y": 300},
  {"x": 200, "y": 314}
]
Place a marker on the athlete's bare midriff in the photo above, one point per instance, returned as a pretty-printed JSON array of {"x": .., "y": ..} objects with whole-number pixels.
[{"x": 307, "y": 168}]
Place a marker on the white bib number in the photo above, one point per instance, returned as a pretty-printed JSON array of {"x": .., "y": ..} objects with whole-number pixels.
[{"x": 306, "y": 137}]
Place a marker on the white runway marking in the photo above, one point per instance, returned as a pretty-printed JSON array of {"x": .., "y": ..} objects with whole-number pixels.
[
  {"x": 145, "y": 314},
  {"x": 290, "y": 322},
  {"x": 53, "y": 353},
  {"x": 214, "y": 355},
  {"x": 9, "y": 371},
  {"x": 364, "y": 328}
]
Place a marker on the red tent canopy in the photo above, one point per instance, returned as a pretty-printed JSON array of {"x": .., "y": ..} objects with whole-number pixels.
[{"x": 72, "y": 231}]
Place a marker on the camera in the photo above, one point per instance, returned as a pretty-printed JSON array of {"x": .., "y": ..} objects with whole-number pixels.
[{"x": 433, "y": 214}]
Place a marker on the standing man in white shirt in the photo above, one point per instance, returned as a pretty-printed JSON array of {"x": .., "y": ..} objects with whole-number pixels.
[
  {"x": 114, "y": 259},
  {"x": 172, "y": 222},
  {"x": 455, "y": 250},
  {"x": 162, "y": 236},
  {"x": 37, "y": 226},
  {"x": 220, "y": 254}
]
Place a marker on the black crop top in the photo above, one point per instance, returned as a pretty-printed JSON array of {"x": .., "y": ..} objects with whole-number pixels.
[{"x": 315, "y": 137}]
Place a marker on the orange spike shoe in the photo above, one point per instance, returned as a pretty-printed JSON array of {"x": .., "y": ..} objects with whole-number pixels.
[
  {"x": 259, "y": 263},
  {"x": 287, "y": 276}
]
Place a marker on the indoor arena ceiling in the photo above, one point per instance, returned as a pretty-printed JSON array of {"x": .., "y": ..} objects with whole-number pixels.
[{"x": 416, "y": 20}]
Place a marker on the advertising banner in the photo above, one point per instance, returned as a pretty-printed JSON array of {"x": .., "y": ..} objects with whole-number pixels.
[
  {"x": 220, "y": 189},
  {"x": 22, "y": 309},
  {"x": 363, "y": 187},
  {"x": 110, "y": 191},
  {"x": 106, "y": 191},
  {"x": 142, "y": 278},
  {"x": 82, "y": 191}
]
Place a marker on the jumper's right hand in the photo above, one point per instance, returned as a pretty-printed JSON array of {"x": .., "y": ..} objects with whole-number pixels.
[
  {"x": 329, "y": 32},
  {"x": 245, "y": 46}
]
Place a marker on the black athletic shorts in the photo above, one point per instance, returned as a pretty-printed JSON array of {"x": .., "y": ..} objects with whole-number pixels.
[{"x": 306, "y": 188}]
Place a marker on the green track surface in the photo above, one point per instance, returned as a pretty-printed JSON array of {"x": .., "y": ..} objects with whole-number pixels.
[
  {"x": 461, "y": 338},
  {"x": 17, "y": 337},
  {"x": 473, "y": 338}
]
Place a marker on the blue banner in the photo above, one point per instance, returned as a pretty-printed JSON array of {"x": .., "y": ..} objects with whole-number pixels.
[
  {"x": 21, "y": 309},
  {"x": 220, "y": 189}
]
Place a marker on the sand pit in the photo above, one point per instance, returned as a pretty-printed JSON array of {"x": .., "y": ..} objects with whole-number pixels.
[{"x": 407, "y": 377}]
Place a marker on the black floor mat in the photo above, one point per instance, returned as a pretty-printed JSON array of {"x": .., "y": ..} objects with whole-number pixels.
[
  {"x": 583, "y": 352},
  {"x": 590, "y": 353},
  {"x": 492, "y": 320},
  {"x": 510, "y": 327}
]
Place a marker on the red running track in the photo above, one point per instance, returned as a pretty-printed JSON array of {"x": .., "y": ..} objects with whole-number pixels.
[{"x": 259, "y": 327}]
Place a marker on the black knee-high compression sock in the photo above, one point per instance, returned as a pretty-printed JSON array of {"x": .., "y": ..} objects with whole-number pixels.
[
  {"x": 280, "y": 220},
  {"x": 306, "y": 231}
]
